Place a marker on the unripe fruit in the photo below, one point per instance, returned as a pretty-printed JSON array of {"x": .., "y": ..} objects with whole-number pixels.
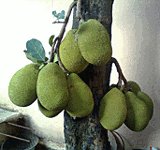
[
  {"x": 22, "y": 86},
  {"x": 81, "y": 101},
  {"x": 138, "y": 114},
  {"x": 52, "y": 90},
  {"x": 94, "y": 42},
  {"x": 113, "y": 110},
  {"x": 70, "y": 54}
]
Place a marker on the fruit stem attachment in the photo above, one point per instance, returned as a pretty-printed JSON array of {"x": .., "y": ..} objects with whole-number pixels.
[
  {"x": 119, "y": 70},
  {"x": 58, "y": 39},
  {"x": 53, "y": 49}
]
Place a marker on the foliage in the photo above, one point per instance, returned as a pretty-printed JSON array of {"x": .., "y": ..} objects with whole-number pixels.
[
  {"x": 60, "y": 15},
  {"x": 35, "y": 51}
]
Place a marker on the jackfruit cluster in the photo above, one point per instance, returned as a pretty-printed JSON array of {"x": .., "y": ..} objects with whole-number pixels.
[
  {"x": 57, "y": 92},
  {"x": 140, "y": 108},
  {"x": 90, "y": 43},
  {"x": 54, "y": 90},
  {"x": 133, "y": 108}
]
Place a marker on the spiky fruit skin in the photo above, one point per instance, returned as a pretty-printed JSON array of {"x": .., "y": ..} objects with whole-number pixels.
[
  {"x": 113, "y": 110},
  {"x": 47, "y": 113},
  {"x": 70, "y": 54},
  {"x": 148, "y": 101},
  {"x": 138, "y": 115},
  {"x": 81, "y": 101},
  {"x": 94, "y": 42},
  {"x": 22, "y": 86},
  {"x": 52, "y": 90},
  {"x": 135, "y": 88}
]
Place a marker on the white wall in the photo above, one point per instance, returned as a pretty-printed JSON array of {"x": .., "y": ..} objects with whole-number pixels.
[
  {"x": 135, "y": 40},
  {"x": 20, "y": 21},
  {"x": 136, "y": 45}
]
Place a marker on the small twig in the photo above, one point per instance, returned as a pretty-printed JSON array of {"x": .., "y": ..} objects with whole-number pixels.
[
  {"x": 57, "y": 21},
  {"x": 119, "y": 70},
  {"x": 56, "y": 44},
  {"x": 66, "y": 22},
  {"x": 53, "y": 49}
]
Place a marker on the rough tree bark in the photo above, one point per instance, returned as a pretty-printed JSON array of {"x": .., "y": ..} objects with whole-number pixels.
[{"x": 87, "y": 133}]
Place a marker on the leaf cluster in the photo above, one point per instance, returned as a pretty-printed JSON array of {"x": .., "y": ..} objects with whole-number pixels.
[{"x": 60, "y": 15}]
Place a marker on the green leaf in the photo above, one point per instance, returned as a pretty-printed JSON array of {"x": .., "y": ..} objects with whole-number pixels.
[
  {"x": 51, "y": 40},
  {"x": 54, "y": 13},
  {"x": 29, "y": 56},
  {"x": 35, "y": 51},
  {"x": 60, "y": 15}
]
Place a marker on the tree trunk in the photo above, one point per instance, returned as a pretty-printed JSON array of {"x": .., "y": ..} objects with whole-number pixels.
[{"x": 87, "y": 133}]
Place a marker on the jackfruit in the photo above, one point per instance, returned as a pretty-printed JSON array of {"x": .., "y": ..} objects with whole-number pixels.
[
  {"x": 138, "y": 114},
  {"x": 94, "y": 42},
  {"x": 70, "y": 55},
  {"x": 81, "y": 101},
  {"x": 22, "y": 86},
  {"x": 113, "y": 109},
  {"x": 135, "y": 88},
  {"x": 47, "y": 113},
  {"x": 52, "y": 90},
  {"x": 144, "y": 97}
]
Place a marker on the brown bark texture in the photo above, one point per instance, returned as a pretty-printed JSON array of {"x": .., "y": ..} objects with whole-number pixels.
[{"x": 87, "y": 133}]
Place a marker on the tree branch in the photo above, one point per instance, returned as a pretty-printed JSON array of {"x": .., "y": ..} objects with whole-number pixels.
[
  {"x": 119, "y": 70},
  {"x": 53, "y": 49},
  {"x": 79, "y": 10},
  {"x": 57, "y": 41}
]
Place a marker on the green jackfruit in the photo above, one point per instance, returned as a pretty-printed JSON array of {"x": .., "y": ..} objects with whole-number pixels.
[
  {"x": 94, "y": 42},
  {"x": 81, "y": 101},
  {"x": 22, "y": 86},
  {"x": 47, "y": 113},
  {"x": 138, "y": 114},
  {"x": 135, "y": 88},
  {"x": 113, "y": 109},
  {"x": 52, "y": 90},
  {"x": 70, "y": 54},
  {"x": 144, "y": 97}
]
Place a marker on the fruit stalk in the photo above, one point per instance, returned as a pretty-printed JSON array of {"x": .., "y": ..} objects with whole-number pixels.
[
  {"x": 57, "y": 41},
  {"x": 119, "y": 70}
]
